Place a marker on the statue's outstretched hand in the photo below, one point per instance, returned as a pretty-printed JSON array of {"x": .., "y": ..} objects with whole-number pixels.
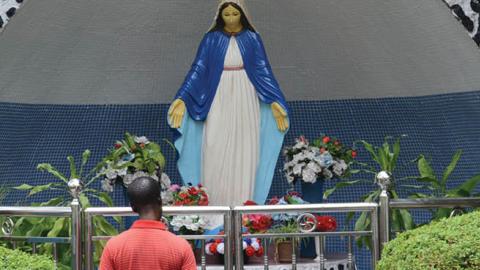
[
  {"x": 176, "y": 113},
  {"x": 280, "y": 116}
]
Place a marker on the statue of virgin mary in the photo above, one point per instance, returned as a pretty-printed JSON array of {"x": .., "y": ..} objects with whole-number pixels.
[{"x": 236, "y": 116}]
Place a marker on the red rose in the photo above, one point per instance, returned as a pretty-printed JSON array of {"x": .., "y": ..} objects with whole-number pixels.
[
  {"x": 213, "y": 248},
  {"x": 273, "y": 201},
  {"x": 326, "y": 139},
  {"x": 183, "y": 195},
  {"x": 259, "y": 252},
  {"x": 354, "y": 154},
  {"x": 203, "y": 202},
  {"x": 249, "y": 202},
  {"x": 250, "y": 251},
  {"x": 193, "y": 191},
  {"x": 326, "y": 223},
  {"x": 118, "y": 145}
]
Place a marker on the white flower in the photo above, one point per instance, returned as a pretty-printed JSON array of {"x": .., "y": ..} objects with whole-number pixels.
[
  {"x": 111, "y": 174},
  {"x": 107, "y": 186},
  {"x": 339, "y": 167},
  {"x": 309, "y": 176},
  {"x": 245, "y": 245},
  {"x": 255, "y": 244},
  {"x": 290, "y": 178},
  {"x": 165, "y": 181},
  {"x": 297, "y": 169},
  {"x": 314, "y": 167},
  {"x": 142, "y": 139},
  {"x": 207, "y": 249},
  {"x": 221, "y": 248}
]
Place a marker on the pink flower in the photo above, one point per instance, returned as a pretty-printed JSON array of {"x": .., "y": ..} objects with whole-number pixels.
[{"x": 174, "y": 187}]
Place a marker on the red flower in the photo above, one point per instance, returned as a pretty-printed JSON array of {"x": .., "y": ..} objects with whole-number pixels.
[
  {"x": 250, "y": 251},
  {"x": 322, "y": 150},
  {"x": 203, "y": 202},
  {"x": 259, "y": 252},
  {"x": 326, "y": 223},
  {"x": 354, "y": 154},
  {"x": 118, "y": 145},
  {"x": 273, "y": 201},
  {"x": 142, "y": 145},
  {"x": 213, "y": 248},
  {"x": 326, "y": 139},
  {"x": 337, "y": 142},
  {"x": 193, "y": 191},
  {"x": 183, "y": 195},
  {"x": 249, "y": 202}
]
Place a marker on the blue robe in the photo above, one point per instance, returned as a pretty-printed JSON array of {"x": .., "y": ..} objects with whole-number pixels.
[{"x": 198, "y": 92}]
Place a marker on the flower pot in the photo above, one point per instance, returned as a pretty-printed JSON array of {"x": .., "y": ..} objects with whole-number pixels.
[
  {"x": 283, "y": 252},
  {"x": 312, "y": 193}
]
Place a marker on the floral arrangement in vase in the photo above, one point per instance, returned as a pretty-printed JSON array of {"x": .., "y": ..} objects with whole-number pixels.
[
  {"x": 292, "y": 197},
  {"x": 251, "y": 247},
  {"x": 189, "y": 195},
  {"x": 189, "y": 225},
  {"x": 256, "y": 223},
  {"x": 325, "y": 158},
  {"x": 130, "y": 158}
]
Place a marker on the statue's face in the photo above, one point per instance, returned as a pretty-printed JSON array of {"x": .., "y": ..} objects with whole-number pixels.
[{"x": 231, "y": 16}]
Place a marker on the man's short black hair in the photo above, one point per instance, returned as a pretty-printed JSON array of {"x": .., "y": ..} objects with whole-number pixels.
[{"x": 144, "y": 192}]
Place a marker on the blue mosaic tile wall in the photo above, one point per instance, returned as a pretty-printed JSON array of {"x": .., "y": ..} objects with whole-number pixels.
[{"x": 434, "y": 125}]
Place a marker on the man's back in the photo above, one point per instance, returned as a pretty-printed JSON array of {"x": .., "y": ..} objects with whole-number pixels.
[{"x": 147, "y": 245}]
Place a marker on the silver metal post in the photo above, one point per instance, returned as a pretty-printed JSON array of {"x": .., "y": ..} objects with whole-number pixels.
[
  {"x": 55, "y": 256},
  {"x": 350, "y": 254},
  {"x": 375, "y": 237},
  {"x": 238, "y": 241},
  {"x": 294, "y": 253},
  {"x": 229, "y": 235},
  {"x": 34, "y": 248},
  {"x": 88, "y": 242},
  {"x": 75, "y": 186},
  {"x": 384, "y": 180},
  {"x": 202, "y": 254},
  {"x": 265, "y": 254},
  {"x": 321, "y": 251}
]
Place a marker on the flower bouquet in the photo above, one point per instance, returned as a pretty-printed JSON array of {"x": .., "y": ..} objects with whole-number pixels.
[
  {"x": 130, "y": 158},
  {"x": 189, "y": 225},
  {"x": 256, "y": 223},
  {"x": 251, "y": 247},
  {"x": 325, "y": 223},
  {"x": 325, "y": 158},
  {"x": 291, "y": 197},
  {"x": 189, "y": 195}
]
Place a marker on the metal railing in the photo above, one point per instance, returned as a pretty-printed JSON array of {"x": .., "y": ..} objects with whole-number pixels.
[
  {"x": 232, "y": 218},
  {"x": 9, "y": 226},
  {"x": 304, "y": 211},
  {"x": 226, "y": 212}
]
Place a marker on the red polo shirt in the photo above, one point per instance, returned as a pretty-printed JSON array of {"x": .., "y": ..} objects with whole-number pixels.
[{"x": 147, "y": 245}]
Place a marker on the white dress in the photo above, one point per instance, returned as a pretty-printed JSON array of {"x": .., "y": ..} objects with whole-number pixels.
[{"x": 231, "y": 136}]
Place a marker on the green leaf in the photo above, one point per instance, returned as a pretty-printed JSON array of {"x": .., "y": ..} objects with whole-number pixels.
[
  {"x": 329, "y": 191},
  {"x": 470, "y": 184},
  {"x": 39, "y": 189},
  {"x": 407, "y": 219},
  {"x": 53, "y": 202},
  {"x": 85, "y": 156},
  {"x": 451, "y": 167},
  {"x": 383, "y": 159},
  {"x": 363, "y": 222},
  {"x": 57, "y": 227},
  {"x": 73, "y": 168},
  {"x": 370, "y": 149},
  {"x": 50, "y": 169},
  {"x": 84, "y": 202},
  {"x": 129, "y": 140},
  {"x": 139, "y": 164},
  {"x": 425, "y": 169},
  {"x": 396, "y": 153},
  {"x": 105, "y": 227},
  {"x": 23, "y": 187},
  {"x": 103, "y": 197}
]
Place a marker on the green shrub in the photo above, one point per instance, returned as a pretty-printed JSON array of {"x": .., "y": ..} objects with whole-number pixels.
[
  {"x": 442, "y": 245},
  {"x": 19, "y": 260}
]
